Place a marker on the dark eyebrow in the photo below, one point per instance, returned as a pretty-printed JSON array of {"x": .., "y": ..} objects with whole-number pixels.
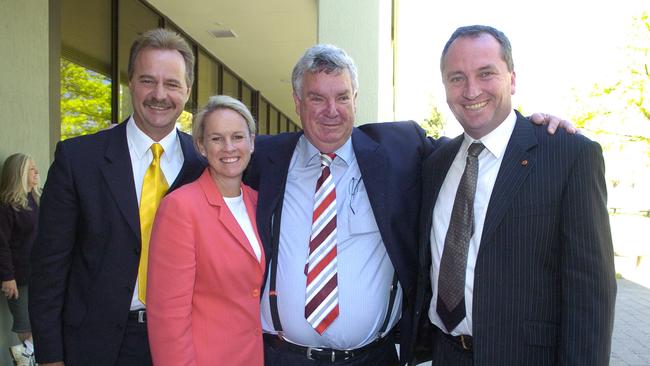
[
  {"x": 487, "y": 67},
  {"x": 453, "y": 73}
]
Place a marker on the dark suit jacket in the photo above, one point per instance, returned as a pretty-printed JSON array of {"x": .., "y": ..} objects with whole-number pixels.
[
  {"x": 389, "y": 157},
  {"x": 544, "y": 285},
  {"x": 86, "y": 255}
]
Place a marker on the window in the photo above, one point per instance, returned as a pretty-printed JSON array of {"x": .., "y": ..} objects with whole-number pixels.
[
  {"x": 274, "y": 121},
  {"x": 208, "y": 78},
  {"x": 230, "y": 84},
  {"x": 263, "y": 119},
  {"x": 95, "y": 47},
  {"x": 85, "y": 67}
]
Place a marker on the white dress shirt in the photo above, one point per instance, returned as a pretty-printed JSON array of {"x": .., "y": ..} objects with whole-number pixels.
[
  {"x": 365, "y": 272},
  {"x": 171, "y": 163},
  {"x": 238, "y": 209},
  {"x": 489, "y": 163}
]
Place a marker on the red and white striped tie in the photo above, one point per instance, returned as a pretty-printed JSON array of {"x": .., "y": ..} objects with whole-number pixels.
[{"x": 322, "y": 297}]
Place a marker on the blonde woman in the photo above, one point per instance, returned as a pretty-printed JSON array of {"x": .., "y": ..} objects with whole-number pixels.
[
  {"x": 19, "y": 197},
  {"x": 206, "y": 261}
]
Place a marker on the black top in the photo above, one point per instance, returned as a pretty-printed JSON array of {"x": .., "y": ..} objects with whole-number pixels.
[{"x": 17, "y": 234}]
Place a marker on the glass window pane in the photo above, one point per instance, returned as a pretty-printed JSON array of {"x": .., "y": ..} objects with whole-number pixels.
[
  {"x": 184, "y": 122},
  {"x": 262, "y": 125},
  {"x": 273, "y": 128},
  {"x": 85, "y": 67},
  {"x": 230, "y": 84},
  {"x": 85, "y": 100},
  {"x": 86, "y": 33},
  {"x": 246, "y": 96},
  {"x": 208, "y": 78}
]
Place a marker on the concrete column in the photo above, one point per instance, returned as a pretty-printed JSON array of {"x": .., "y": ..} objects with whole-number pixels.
[
  {"x": 25, "y": 92},
  {"x": 363, "y": 28}
]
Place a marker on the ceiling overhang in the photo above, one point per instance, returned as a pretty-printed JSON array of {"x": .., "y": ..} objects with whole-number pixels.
[{"x": 270, "y": 37}]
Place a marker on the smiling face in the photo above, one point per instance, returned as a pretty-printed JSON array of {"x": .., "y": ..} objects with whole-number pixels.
[
  {"x": 326, "y": 109},
  {"x": 227, "y": 144},
  {"x": 32, "y": 176},
  {"x": 478, "y": 84},
  {"x": 158, "y": 90}
]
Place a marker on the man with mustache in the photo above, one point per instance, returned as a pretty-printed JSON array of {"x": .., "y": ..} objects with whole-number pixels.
[{"x": 87, "y": 298}]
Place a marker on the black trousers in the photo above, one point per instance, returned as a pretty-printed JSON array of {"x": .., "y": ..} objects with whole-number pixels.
[
  {"x": 381, "y": 356},
  {"x": 448, "y": 353},
  {"x": 134, "y": 350}
]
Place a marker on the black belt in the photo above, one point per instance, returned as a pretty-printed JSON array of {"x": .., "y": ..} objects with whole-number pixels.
[
  {"x": 465, "y": 342},
  {"x": 138, "y": 315},
  {"x": 322, "y": 354}
]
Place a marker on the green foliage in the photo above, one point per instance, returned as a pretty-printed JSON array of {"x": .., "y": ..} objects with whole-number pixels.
[
  {"x": 435, "y": 124},
  {"x": 184, "y": 122},
  {"x": 622, "y": 109},
  {"x": 616, "y": 113},
  {"x": 85, "y": 100}
]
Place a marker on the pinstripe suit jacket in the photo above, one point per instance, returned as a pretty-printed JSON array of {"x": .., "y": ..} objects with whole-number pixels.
[{"x": 544, "y": 285}]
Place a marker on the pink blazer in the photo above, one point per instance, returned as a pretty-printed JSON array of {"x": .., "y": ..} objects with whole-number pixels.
[{"x": 203, "y": 294}]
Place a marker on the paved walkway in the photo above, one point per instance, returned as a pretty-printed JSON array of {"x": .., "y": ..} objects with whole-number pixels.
[{"x": 631, "y": 339}]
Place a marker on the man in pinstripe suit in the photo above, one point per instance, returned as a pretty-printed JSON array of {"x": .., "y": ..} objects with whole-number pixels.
[{"x": 539, "y": 285}]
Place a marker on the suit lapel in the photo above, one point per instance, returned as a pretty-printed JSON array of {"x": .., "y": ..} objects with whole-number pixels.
[
  {"x": 118, "y": 173},
  {"x": 434, "y": 172},
  {"x": 372, "y": 160},
  {"x": 251, "y": 208},
  {"x": 193, "y": 165},
  {"x": 274, "y": 168},
  {"x": 227, "y": 219},
  {"x": 518, "y": 160}
]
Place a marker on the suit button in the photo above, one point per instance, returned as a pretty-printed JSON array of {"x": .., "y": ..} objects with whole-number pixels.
[{"x": 255, "y": 293}]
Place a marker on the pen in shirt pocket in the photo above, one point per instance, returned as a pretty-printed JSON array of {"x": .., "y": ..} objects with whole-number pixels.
[{"x": 353, "y": 189}]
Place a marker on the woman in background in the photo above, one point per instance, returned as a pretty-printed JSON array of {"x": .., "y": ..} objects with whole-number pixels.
[
  {"x": 19, "y": 197},
  {"x": 206, "y": 263}
]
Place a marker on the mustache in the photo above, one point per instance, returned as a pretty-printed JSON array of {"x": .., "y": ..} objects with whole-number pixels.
[{"x": 158, "y": 103}]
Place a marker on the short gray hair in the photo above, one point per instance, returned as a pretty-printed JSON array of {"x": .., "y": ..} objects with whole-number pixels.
[
  {"x": 323, "y": 58},
  {"x": 474, "y": 31},
  {"x": 220, "y": 102}
]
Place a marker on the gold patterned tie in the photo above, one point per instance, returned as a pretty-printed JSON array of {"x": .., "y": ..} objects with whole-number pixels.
[
  {"x": 154, "y": 187},
  {"x": 453, "y": 263}
]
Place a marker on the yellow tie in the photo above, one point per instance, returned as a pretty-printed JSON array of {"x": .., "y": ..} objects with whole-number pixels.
[{"x": 154, "y": 187}]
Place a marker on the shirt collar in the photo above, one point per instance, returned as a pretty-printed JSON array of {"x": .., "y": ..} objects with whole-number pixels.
[
  {"x": 140, "y": 142},
  {"x": 496, "y": 141},
  {"x": 310, "y": 155}
]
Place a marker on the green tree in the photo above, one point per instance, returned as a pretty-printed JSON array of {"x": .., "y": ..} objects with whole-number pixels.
[
  {"x": 435, "y": 124},
  {"x": 620, "y": 111},
  {"x": 617, "y": 114},
  {"x": 85, "y": 100}
]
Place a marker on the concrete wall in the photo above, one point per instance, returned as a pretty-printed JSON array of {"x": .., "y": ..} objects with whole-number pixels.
[
  {"x": 25, "y": 70},
  {"x": 25, "y": 100},
  {"x": 363, "y": 29}
]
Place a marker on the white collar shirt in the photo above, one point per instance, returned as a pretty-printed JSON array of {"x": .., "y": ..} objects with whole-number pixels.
[
  {"x": 171, "y": 163},
  {"x": 489, "y": 163}
]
